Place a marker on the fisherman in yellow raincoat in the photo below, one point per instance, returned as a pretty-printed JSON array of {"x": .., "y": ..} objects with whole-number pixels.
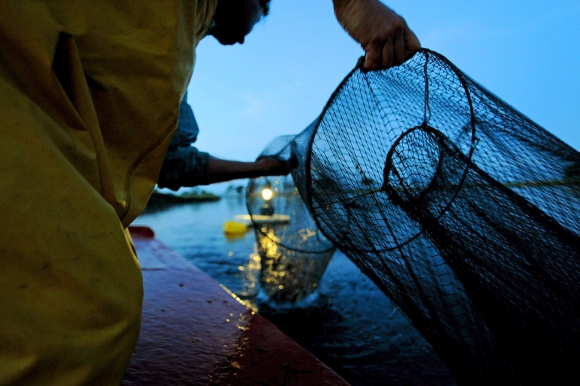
[{"x": 89, "y": 100}]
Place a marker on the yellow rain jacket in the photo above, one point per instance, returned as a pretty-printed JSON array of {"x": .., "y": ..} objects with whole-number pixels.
[{"x": 89, "y": 99}]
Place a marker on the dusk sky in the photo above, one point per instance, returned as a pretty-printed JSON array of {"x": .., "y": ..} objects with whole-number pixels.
[{"x": 525, "y": 51}]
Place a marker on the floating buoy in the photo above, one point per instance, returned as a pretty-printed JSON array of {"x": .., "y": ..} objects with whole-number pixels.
[{"x": 235, "y": 227}]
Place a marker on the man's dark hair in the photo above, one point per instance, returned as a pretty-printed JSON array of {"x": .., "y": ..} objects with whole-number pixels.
[{"x": 265, "y": 4}]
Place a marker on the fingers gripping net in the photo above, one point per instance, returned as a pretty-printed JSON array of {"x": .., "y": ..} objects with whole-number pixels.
[{"x": 460, "y": 209}]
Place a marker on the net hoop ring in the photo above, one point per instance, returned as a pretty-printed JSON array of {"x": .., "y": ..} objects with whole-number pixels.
[{"x": 442, "y": 142}]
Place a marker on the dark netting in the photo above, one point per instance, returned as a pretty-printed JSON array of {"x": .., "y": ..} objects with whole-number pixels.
[
  {"x": 462, "y": 210},
  {"x": 294, "y": 253}
]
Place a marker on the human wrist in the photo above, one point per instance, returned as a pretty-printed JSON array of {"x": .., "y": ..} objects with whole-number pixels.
[{"x": 344, "y": 9}]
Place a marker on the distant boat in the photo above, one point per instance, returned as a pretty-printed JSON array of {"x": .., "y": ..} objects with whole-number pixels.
[{"x": 263, "y": 219}]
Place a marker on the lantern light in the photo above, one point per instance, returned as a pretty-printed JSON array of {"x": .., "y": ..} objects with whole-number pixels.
[{"x": 267, "y": 194}]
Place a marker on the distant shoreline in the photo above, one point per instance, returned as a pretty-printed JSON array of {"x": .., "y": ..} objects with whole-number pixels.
[{"x": 163, "y": 200}]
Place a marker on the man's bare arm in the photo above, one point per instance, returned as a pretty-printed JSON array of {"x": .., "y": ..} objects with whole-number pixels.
[
  {"x": 384, "y": 35},
  {"x": 220, "y": 170}
]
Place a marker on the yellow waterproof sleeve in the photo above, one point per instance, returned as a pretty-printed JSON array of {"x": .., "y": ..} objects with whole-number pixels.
[{"x": 89, "y": 99}]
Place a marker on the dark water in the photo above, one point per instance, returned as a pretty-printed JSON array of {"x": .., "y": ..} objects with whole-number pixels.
[{"x": 349, "y": 324}]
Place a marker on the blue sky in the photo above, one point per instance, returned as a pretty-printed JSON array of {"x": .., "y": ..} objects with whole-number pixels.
[{"x": 278, "y": 81}]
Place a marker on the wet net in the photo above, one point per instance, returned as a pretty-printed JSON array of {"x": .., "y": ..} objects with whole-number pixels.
[
  {"x": 293, "y": 252},
  {"x": 462, "y": 210}
]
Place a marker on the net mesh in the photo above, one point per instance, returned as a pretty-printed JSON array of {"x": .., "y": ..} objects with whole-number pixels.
[
  {"x": 293, "y": 254},
  {"x": 462, "y": 210}
]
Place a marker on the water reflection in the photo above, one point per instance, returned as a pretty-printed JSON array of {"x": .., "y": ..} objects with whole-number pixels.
[
  {"x": 294, "y": 254},
  {"x": 289, "y": 275}
]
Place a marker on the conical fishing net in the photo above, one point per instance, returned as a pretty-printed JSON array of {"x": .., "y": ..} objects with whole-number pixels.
[
  {"x": 462, "y": 210},
  {"x": 293, "y": 254}
]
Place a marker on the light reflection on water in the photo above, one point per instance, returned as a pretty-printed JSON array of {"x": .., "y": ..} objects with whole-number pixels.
[
  {"x": 288, "y": 275},
  {"x": 348, "y": 322}
]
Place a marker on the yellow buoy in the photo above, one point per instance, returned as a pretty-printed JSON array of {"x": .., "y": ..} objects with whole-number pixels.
[{"x": 235, "y": 227}]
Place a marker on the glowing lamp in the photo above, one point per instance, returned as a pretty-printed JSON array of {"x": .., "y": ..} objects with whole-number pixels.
[
  {"x": 267, "y": 194},
  {"x": 267, "y": 209}
]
